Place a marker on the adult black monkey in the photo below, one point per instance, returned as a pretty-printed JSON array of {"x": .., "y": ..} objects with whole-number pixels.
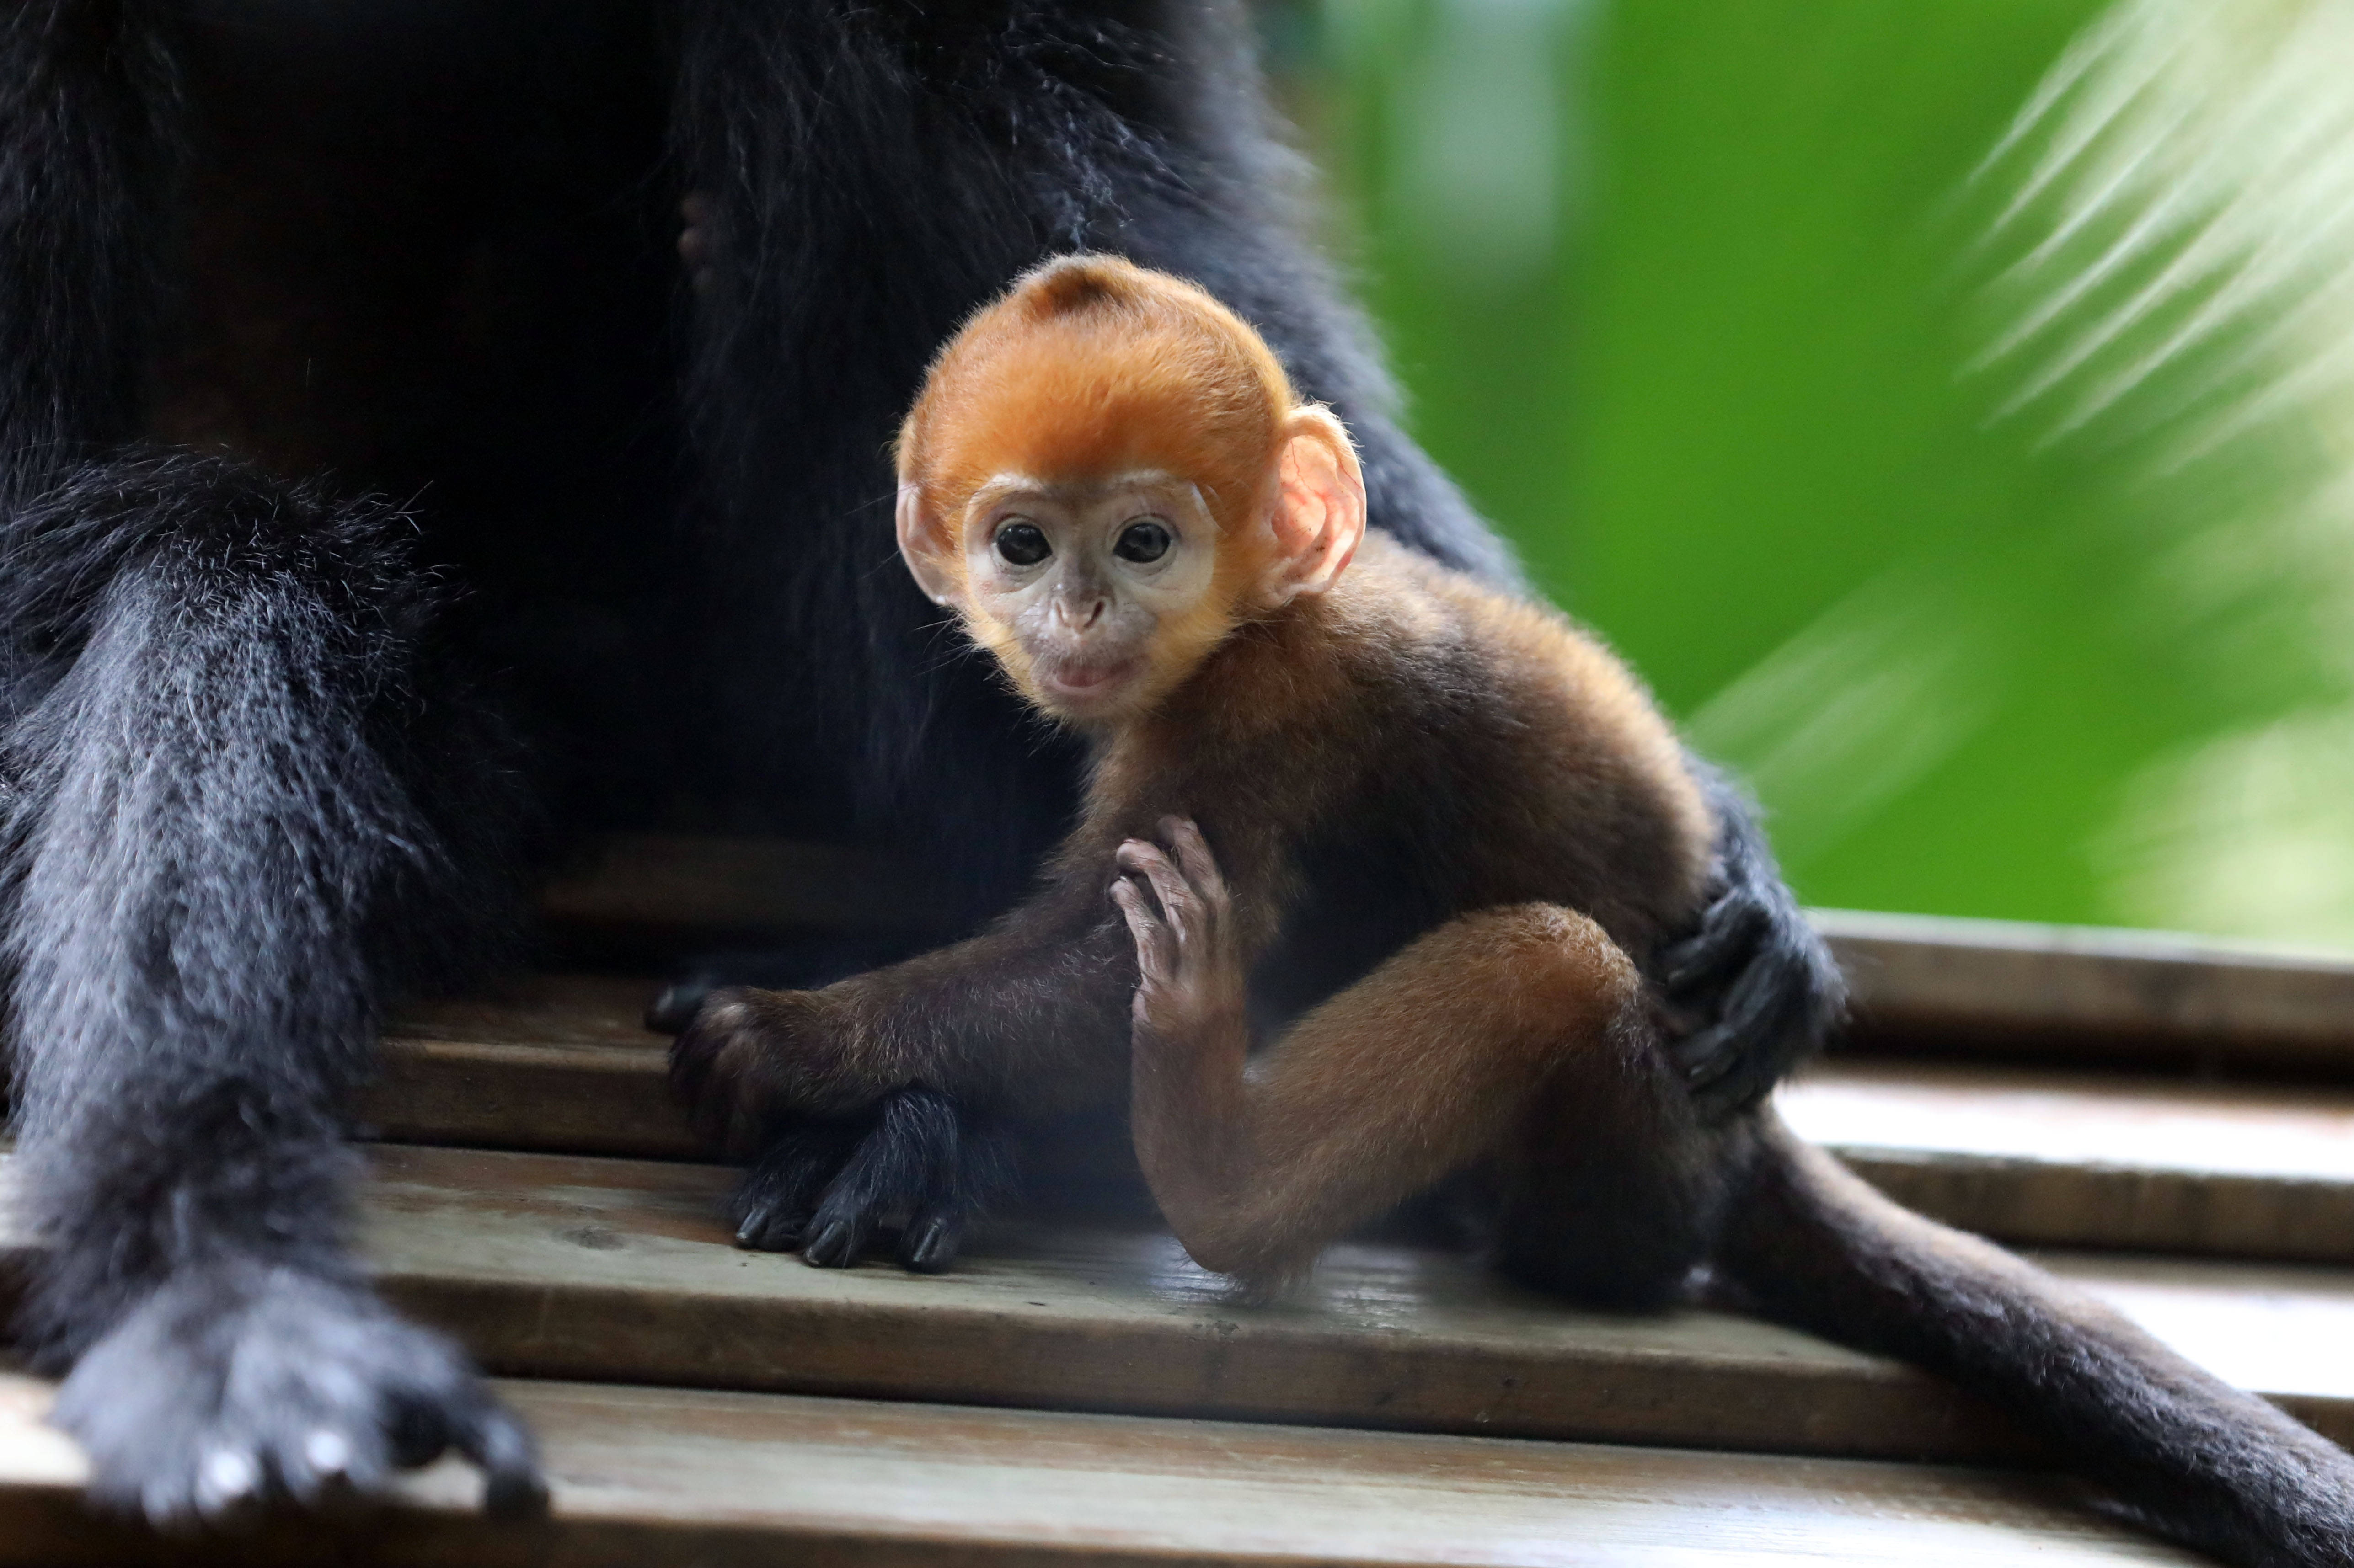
[{"x": 250, "y": 782}]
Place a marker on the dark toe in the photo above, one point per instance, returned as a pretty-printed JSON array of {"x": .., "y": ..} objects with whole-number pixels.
[
  {"x": 770, "y": 1208},
  {"x": 513, "y": 1487},
  {"x": 931, "y": 1244},
  {"x": 835, "y": 1241},
  {"x": 770, "y": 1227}
]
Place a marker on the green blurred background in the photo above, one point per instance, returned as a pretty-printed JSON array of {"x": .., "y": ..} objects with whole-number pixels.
[{"x": 1696, "y": 299}]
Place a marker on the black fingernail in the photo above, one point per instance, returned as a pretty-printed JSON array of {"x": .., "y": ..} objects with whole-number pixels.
[
  {"x": 931, "y": 1249},
  {"x": 830, "y": 1249}
]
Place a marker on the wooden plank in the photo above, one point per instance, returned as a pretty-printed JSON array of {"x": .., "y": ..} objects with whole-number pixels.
[
  {"x": 573, "y": 1267},
  {"x": 573, "y": 1099},
  {"x": 567, "y": 1266},
  {"x": 540, "y": 1010},
  {"x": 1929, "y": 981},
  {"x": 2052, "y": 1159},
  {"x": 645, "y": 1475},
  {"x": 2032, "y": 1157},
  {"x": 542, "y": 1062}
]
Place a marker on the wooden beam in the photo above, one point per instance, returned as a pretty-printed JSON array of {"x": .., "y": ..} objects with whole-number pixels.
[
  {"x": 2055, "y": 1158},
  {"x": 643, "y": 1475},
  {"x": 1932, "y": 982},
  {"x": 618, "y": 1270}
]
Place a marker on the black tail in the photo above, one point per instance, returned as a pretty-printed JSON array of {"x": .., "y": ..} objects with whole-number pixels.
[{"x": 2186, "y": 1454}]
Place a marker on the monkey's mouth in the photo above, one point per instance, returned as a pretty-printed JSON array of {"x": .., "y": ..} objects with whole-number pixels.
[{"x": 1082, "y": 684}]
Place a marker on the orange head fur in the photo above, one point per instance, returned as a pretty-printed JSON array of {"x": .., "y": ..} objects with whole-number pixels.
[{"x": 1094, "y": 397}]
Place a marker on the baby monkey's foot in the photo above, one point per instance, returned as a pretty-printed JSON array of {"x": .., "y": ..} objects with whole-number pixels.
[
  {"x": 697, "y": 214},
  {"x": 755, "y": 1064},
  {"x": 1189, "y": 970}
]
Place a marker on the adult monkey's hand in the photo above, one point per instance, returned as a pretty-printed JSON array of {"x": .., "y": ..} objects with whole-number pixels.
[{"x": 1755, "y": 982}]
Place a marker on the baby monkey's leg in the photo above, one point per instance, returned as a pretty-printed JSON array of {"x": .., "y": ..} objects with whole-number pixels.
[{"x": 1452, "y": 1052}]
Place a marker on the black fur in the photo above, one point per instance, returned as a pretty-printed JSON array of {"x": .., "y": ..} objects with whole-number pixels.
[
  {"x": 246, "y": 793},
  {"x": 824, "y": 1188},
  {"x": 217, "y": 864},
  {"x": 1756, "y": 985},
  {"x": 1622, "y": 1209}
]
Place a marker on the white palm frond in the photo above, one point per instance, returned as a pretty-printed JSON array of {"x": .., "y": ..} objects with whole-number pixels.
[{"x": 2170, "y": 266}]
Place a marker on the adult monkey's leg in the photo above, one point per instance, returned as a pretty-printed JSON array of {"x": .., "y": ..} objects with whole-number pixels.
[
  {"x": 221, "y": 835},
  {"x": 205, "y": 679}
]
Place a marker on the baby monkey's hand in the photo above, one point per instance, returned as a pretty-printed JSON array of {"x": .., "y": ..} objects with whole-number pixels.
[
  {"x": 753, "y": 1062},
  {"x": 1189, "y": 970}
]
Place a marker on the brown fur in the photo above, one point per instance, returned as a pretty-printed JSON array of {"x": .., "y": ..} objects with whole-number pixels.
[
  {"x": 1092, "y": 365},
  {"x": 1293, "y": 724},
  {"x": 1419, "y": 840}
]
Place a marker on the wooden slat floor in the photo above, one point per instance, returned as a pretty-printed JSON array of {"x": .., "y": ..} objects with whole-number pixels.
[
  {"x": 647, "y": 1476},
  {"x": 561, "y": 1265},
  {"x": 1071, "y": 1391},
  {"x": 2033, "y": 1155}
]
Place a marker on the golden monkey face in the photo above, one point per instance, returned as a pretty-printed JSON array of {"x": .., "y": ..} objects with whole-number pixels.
[{"x": 1097, "y": 595}]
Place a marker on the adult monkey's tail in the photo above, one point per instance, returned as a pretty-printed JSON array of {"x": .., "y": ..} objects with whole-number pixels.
[{"x": 2187, "y": 1454}]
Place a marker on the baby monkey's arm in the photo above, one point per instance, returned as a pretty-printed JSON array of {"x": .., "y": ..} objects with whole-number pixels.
[{"x": 1033, "y": 1008}]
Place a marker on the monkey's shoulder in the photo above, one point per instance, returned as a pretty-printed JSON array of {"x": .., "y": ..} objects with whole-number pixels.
[
  {"x": 1422, "y": 634},
  {"x": 1540, "y": 747}
]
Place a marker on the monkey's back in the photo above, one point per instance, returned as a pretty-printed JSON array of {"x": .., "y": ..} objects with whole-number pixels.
[{"x": 1438, "y": 748}]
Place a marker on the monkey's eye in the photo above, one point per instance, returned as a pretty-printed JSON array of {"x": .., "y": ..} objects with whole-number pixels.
[
  {"x": 1022, "y": 544},
  {"x": 1143, "y": 541}
]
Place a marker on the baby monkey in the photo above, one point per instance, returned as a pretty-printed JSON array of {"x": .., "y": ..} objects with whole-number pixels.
[{"x": 1371, "y": 868}]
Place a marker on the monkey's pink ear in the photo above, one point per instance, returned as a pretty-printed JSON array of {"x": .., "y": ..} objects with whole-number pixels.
[
  {"x": 1319, "y": 515},
  {"x": 930, "y": 550}
]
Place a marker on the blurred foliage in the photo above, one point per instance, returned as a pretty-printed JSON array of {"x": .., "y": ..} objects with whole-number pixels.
[{"x": 1777, "y": 371}]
